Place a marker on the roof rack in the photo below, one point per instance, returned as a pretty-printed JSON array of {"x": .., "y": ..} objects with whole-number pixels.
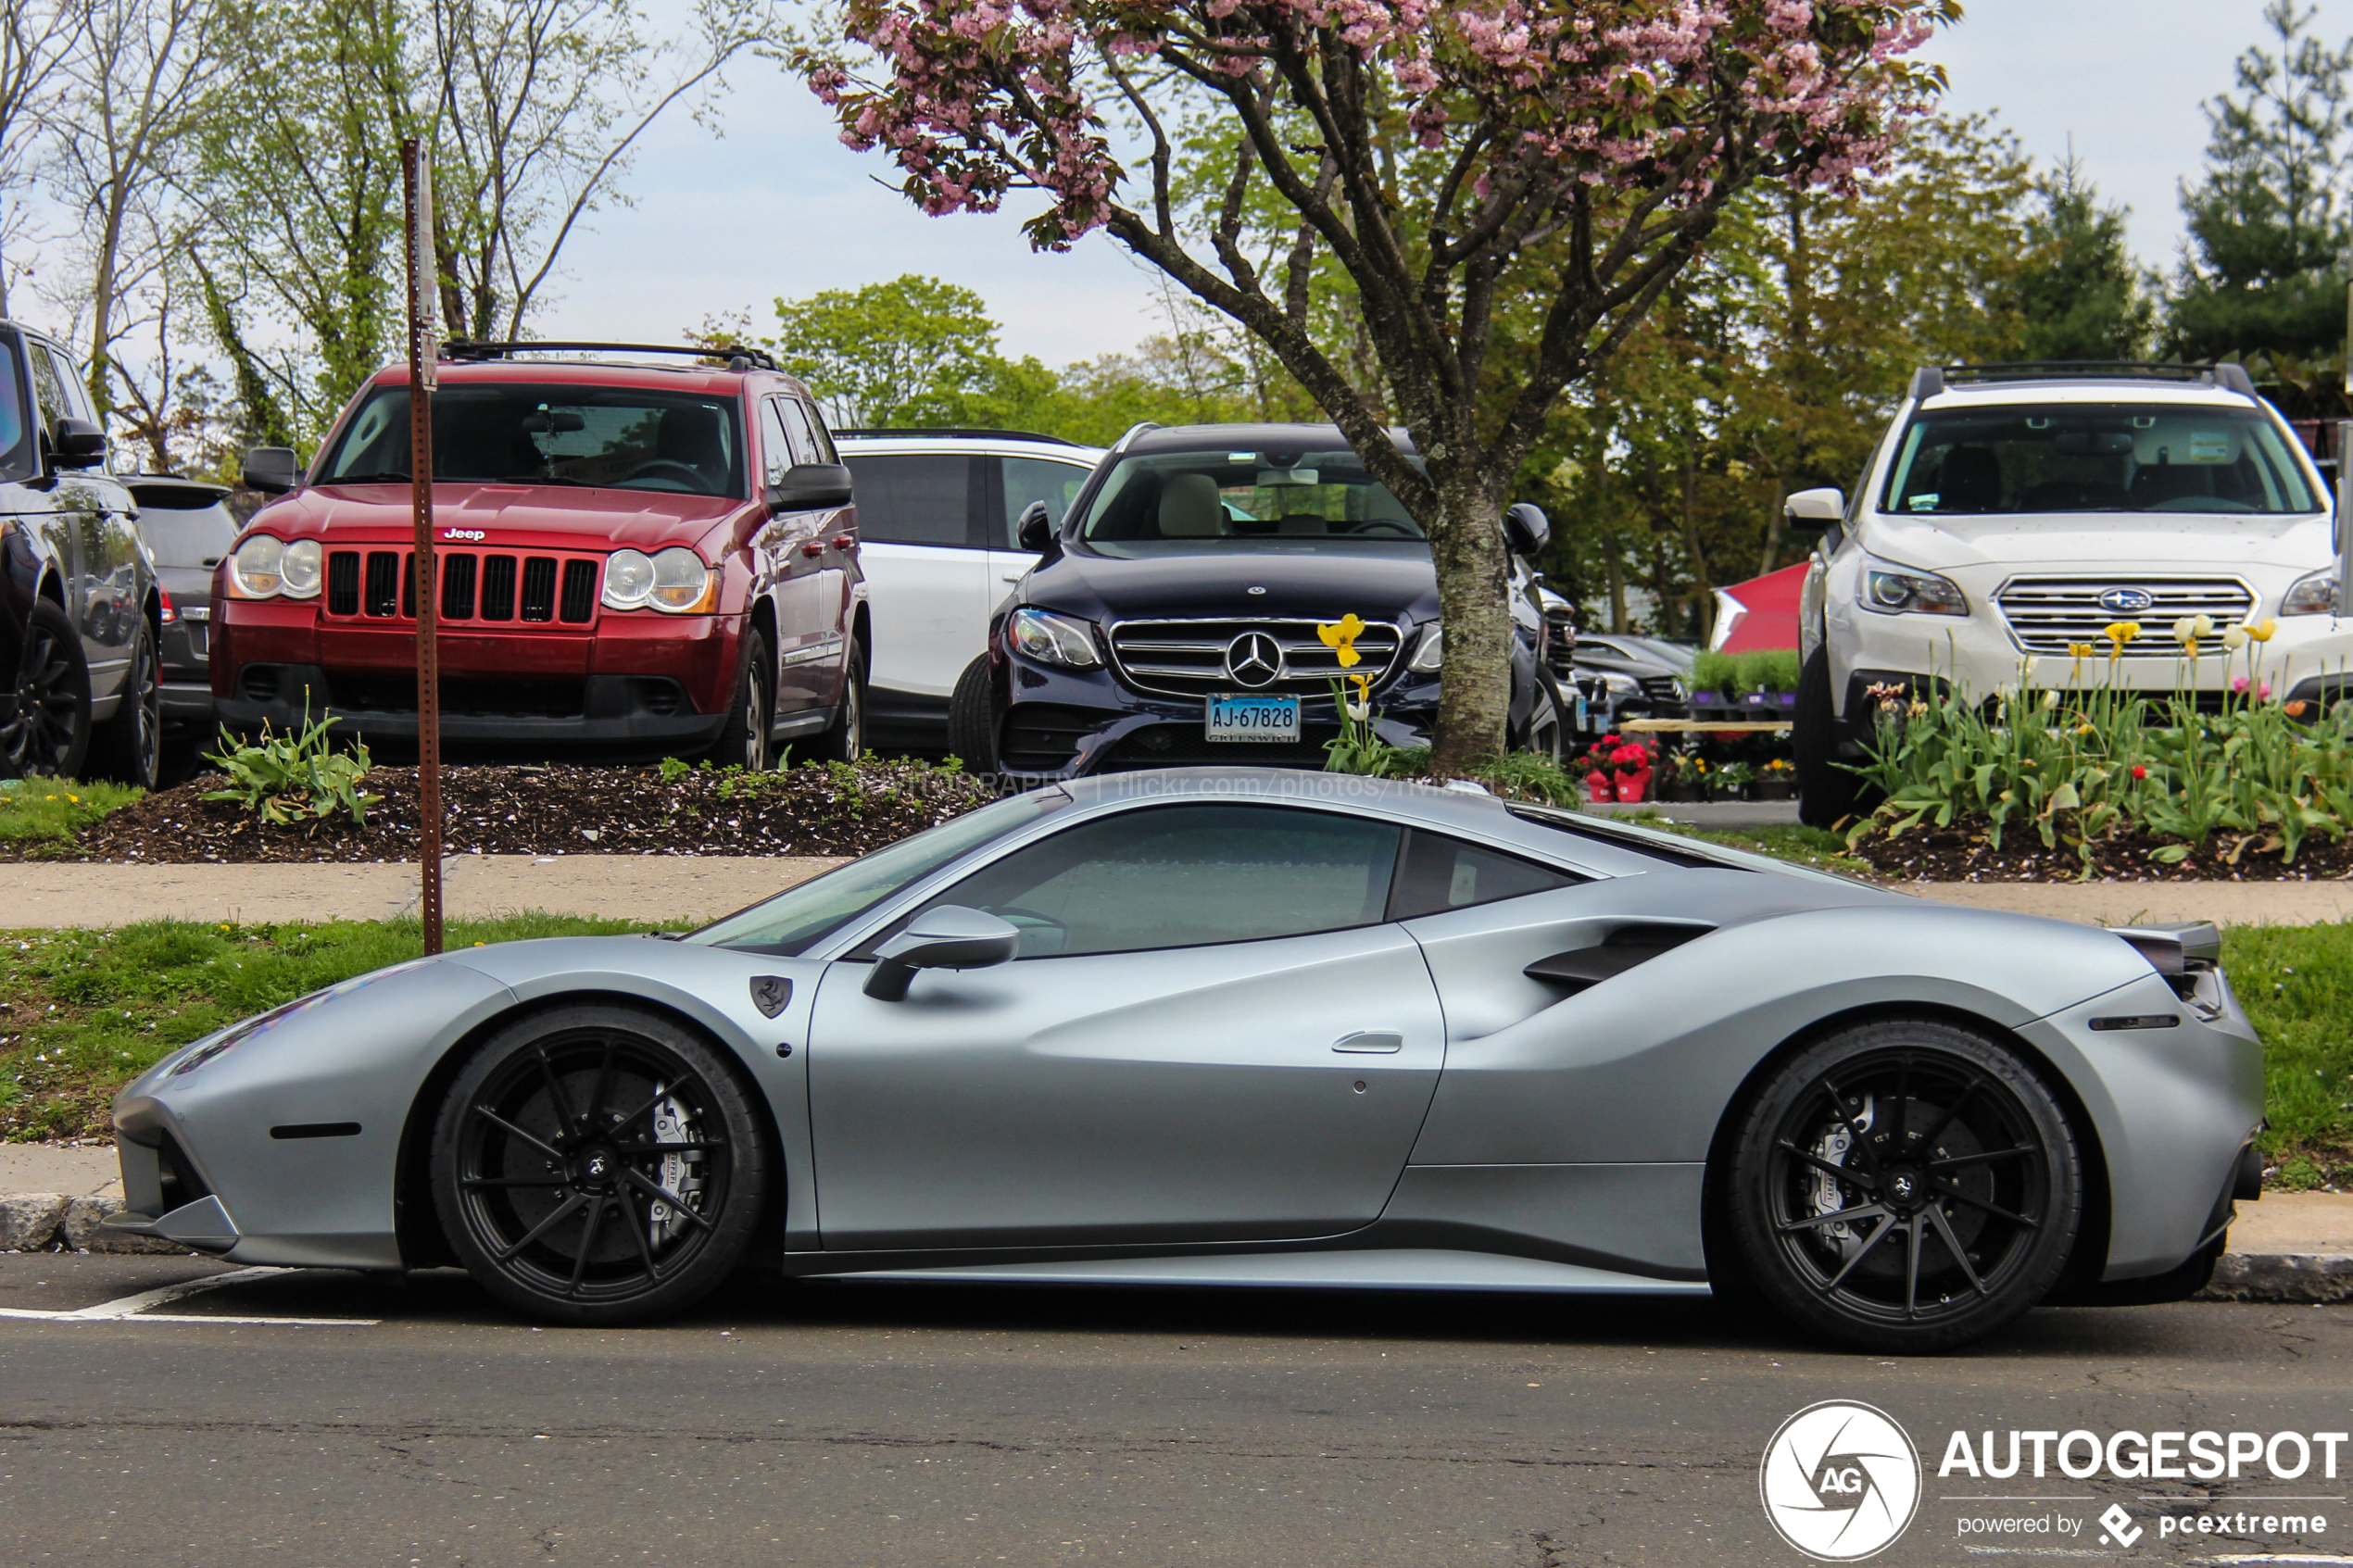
[
  {"x": 737, "y": 358},
  {"x": 1132, "y": 432},
  {"x": 1931, "y": 379},
  {"x": 963, "y": 433}
]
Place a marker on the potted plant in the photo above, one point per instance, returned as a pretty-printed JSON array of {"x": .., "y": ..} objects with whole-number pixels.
[
  {"x": 1683, "y": 777},
  {"x": 1775, "y": 780},
  {"x": 1732, "y": 781},
  {"x": 1631, "y": 765}
]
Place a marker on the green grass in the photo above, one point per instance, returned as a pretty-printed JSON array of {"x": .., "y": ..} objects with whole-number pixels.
[
  {"x": 37, "y": 815},
  {"x": 2297, "y": 983},
  {"x": 83, "y": 1011}
]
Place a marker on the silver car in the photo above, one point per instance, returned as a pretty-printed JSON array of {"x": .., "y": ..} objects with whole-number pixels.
[{"x": 1256, "y": 1027}]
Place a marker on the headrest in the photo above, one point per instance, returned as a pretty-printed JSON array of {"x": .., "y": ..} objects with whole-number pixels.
[{"x": 1188, "y": 508}]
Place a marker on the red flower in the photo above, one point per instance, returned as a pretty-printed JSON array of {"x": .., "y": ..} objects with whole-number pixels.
[{"x": 2139, "y": 772}]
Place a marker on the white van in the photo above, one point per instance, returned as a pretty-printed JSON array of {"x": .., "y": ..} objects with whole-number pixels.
[
  {"x": 936, "y": 510},
  {"x": 2014, "y": 512}
]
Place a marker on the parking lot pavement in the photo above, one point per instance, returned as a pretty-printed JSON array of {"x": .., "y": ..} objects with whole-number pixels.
[{"x": 862, "y": 1425}]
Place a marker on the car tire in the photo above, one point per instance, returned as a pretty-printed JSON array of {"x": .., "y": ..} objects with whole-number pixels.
[
  {"x": 1826, "y": 793},
  {"x": 1905, "y": 1185},
  {"x": 751, "y": 714},
  {"x": 48, "y": 733},
  {"x": 844, "y": 739},
  {"x": 573, "y": 1119},
  {"x": 1548, "y": 724},
  {"x": 972, "y": 719},
  {"x": 128, "y": 747}
]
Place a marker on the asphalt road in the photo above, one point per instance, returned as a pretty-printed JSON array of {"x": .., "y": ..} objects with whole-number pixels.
[{"x": 905, "y": 1424}]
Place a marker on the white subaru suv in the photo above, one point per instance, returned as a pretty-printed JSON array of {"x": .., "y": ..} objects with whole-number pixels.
[
  {"x": 2012, "y": 513},
  {"x": 937, "y": 515}
]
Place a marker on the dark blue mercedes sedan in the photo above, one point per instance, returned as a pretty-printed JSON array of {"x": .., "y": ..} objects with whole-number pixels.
[{"x": 1207, "y": 591}]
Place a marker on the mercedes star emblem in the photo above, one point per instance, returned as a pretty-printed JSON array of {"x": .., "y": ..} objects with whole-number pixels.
[{"x": 1254, "y": 659}]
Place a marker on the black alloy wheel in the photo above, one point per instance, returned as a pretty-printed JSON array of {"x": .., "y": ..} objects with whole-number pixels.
[
  {"x": 48, "y": 732},
  {"x": 1904, "y": 1185},
  {"x": 1547, "y": 725},
  {"x": 972, "y": 719},
  {"x": 128, "y": 747},
  {"x": 598, "y": 1164}
]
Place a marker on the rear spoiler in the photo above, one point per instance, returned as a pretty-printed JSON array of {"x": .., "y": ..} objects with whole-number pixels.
[{"x": 2173, "y": 948}]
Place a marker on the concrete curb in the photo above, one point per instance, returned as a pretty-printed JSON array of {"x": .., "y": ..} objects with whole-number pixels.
[{"x": 44, "y": 1222}]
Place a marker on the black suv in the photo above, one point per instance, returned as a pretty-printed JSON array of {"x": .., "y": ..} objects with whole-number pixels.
[
  {"x": 81, "y": 686},
  {"x": 1179, "y": 613}
]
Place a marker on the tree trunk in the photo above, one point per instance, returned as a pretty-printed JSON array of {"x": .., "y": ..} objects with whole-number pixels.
[{"x": 1475, "y": 683}]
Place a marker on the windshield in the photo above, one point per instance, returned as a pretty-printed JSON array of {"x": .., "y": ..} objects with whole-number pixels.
[
  {"x": 2096, "y": 458},
  {"x": 16, "y": 447},
  {"x": 614, "y": 438},
  {"x": 1172, "y": 501},
  {"x": 787, "y": 924}
]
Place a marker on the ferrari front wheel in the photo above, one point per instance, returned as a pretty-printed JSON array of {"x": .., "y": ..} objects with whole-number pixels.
[
  {"x": 1905, "y": 1185},
  {"x": 598, "y": 1165}
]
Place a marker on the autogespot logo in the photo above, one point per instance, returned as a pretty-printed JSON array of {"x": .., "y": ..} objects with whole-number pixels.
[{"x": 1840, "y": 1481}]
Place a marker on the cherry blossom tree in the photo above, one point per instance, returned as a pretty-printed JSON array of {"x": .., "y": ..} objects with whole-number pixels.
[{"x": 1506, "y": 186}]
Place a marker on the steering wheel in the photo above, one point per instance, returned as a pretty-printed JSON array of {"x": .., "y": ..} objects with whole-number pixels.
[
  {"x": 646, "y": 470},
  {"x": 1383, "y": 528}
]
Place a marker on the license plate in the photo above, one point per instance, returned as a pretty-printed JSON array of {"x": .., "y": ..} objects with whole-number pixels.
[{"x": 1253, "y": 718}]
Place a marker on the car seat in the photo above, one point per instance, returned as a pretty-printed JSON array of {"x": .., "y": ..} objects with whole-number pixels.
[
  {"x": 1969, "y": 480},
  {"x": 1188, "y": 508},
  {"x": 690, "y": 435}
]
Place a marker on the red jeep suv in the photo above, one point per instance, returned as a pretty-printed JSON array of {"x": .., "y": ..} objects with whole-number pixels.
[{"x": 641, "y": 558}]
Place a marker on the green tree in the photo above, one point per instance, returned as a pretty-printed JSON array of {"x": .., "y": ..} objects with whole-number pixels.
[
  {"x": 2264, "y": 271},
  {"x": 2078, "y": 294},
  {"x": 912, "y": 351}
]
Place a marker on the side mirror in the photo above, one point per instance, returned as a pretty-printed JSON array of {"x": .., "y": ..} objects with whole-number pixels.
[
  {"x": 1527, "y": 530},
  {"x": 77, "y": 444},
  {"x": 1810, "y": 511},
  {"x": 273, "y": 470},
  {"x": 806, "y": 487},
  {"x": 947, "y": 937},
  {"x": 1035, "y": 530}
]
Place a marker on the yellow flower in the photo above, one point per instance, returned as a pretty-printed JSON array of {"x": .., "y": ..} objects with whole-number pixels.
[
  {"x": 1341, "y": 636},
  {"x": 1364, "y": 684},
  {"x": 2262, "y": 630},
  {"x": 2190, "y": 648},
  {"x": 2080, "y": 650},
  {"x": 74, "y": 798},
  {"x": 2120, "y": 633}
]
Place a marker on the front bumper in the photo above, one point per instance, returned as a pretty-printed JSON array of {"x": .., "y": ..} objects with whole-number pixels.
[
  {"x": 1060, "y": 724},
  {"x": 598, "y": 709}
]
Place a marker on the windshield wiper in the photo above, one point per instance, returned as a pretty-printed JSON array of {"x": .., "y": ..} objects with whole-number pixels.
[
  {"x": 545, "y": 479},
  {"x": 364, "y": 479}
]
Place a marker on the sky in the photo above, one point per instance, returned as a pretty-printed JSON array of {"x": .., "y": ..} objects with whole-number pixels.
[{"x": 778, "y": 207}]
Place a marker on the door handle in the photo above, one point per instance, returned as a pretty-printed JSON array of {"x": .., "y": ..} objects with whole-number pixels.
[{"x": 1370, "y": 1042}]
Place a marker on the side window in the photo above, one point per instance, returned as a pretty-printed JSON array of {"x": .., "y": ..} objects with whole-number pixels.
[
  {"x": 48, "y": 386},
  {"x": 1035, "y": 478},
  {"x": 1187, "y": 876},
  {"x": 775, "y": 446},
  {"x": 809, "y": 433},
  {"x": 1441, "y": 874},
  {"x": 15, "y": 422},
  {"x": 913, "y": 497}
]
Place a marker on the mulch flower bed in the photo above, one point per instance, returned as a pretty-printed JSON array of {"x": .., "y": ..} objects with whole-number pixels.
[
  {"x": 1962, "y": 853},
  {"x": 550, "y": 811}
]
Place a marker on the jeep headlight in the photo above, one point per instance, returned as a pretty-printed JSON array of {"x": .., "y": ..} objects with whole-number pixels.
[
  {"x": 675, "y": 579},
  {"x": 1055, "y": 639},
  {"x": 1900, "y": 590},
  {"x": 256, "y": 568},
  {"x": 2315, "y": 595}
]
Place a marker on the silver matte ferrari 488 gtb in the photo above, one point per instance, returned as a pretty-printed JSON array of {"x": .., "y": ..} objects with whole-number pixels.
[{"x": 1255, "y": 1028}]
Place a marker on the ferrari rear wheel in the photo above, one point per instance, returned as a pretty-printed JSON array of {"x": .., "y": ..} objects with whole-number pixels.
[
  {"x": 598, "y": 1165},
  {"x": 1905, "y": 1185}
]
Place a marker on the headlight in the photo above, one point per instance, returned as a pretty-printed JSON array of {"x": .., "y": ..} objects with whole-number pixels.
[
  {"x": 298, "y": 569},
  {"x": 2315, "y": 595},
  {"x": 253, "y": 569},
  {"x": 1897, "y": 590},
  {"x": 1619, "y": 684},
  {"x": 1055, "y": 639},
  {"x": 1429, "y": 654},
  {"x": 675, "y": 579}
]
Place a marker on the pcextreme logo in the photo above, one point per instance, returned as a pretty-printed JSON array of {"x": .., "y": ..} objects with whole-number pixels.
[{"x": 1840, "y": 1481}]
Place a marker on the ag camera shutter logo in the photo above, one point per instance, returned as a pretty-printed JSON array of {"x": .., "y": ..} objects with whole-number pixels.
[{"x": 1840, "y": 1481}]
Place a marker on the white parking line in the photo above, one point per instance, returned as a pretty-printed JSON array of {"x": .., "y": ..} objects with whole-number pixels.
[{"x": 137, "y": 1306}]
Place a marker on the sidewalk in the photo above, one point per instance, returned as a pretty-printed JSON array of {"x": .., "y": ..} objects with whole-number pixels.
[{"x": 688, "y": 890}]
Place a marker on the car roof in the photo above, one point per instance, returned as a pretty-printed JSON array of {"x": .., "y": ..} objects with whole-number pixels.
[
  {"x": 683, "y": 375},
  {"x": 2113, "y": 389},
  {"x": 997, "y": 442},
  {"x": 137, "y": 482},
  {"x": 1250, "y": 438},
  {"x": 1605, "y": 845}
]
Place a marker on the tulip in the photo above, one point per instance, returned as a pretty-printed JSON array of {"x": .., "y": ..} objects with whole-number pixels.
[
  {"x": 2050, "y": 700},
  {"x": 2262, "y": 630},
  {"x": 2185, "y": 629},
  {"x": 2120, "y": 633},
  {"x": 1341, "y": 636},
  {"x": 2235, "y": 638}
]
